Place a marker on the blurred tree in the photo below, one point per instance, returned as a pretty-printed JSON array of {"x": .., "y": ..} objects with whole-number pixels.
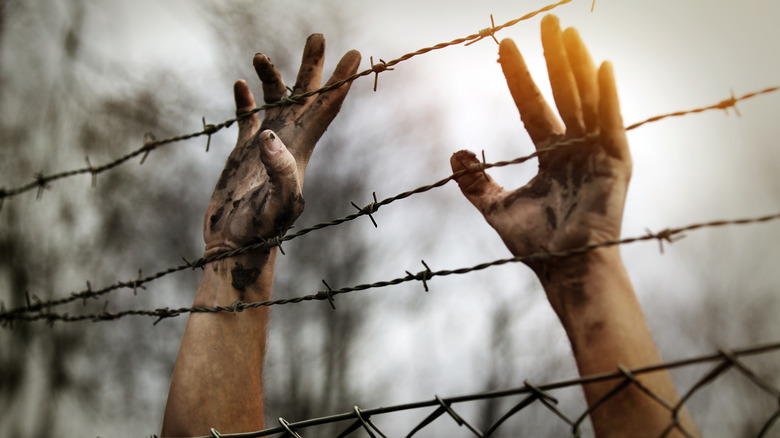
[
  {"x": 143, "y": 217},
  {"x": 53, "y": 113}
]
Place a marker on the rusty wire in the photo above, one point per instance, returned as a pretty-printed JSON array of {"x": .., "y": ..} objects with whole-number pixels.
[
  {"x": 42, "y": 182},
  {"x": 531, "y": 394},
  {"x": 725, "y": 104}
]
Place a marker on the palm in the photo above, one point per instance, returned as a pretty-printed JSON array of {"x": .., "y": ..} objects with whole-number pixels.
[{"x": 573, "y": 201}]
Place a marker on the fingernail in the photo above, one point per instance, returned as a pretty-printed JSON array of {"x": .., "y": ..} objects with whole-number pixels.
[{"x": 271, "y": 142}]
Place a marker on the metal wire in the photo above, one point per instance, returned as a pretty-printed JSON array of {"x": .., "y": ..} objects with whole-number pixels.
[{"x": 622, "y": 378}]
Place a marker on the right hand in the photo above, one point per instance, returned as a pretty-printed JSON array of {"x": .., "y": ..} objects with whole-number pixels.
[
  {"x": 258, "y": 195},
  {"x": 578, "y": 195}
]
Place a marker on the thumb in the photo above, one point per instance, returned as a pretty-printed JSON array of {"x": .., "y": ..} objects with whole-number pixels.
[
  {"x": 285, "y": 199},
  {"x": 279, "y": 162},
  {"x": 272, "y": 206},
  {"x": 477, "y": 186}
]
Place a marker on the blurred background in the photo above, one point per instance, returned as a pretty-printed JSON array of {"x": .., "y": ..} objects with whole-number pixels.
[{"x": 86, "y": 77}]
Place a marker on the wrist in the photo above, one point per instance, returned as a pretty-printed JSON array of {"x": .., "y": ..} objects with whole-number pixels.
[
  {"x": 565, "y": 272},
  {"x": 245, "y": 277},
  {"x": 584, "y": 286}
]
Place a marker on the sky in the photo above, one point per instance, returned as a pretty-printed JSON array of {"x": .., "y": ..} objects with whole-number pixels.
[{"x": 668, "y": 56}]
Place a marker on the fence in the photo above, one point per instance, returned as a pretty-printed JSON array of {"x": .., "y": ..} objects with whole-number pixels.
[
  {"x": 361, "y": 419},
  {"x": 724, "y": 360}
]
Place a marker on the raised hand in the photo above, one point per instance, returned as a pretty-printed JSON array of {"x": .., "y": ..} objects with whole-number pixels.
[
  {"x": 578, "y": 195},
  {"x": 577, "y": 199},
  {"x": 258, "y": 194}
]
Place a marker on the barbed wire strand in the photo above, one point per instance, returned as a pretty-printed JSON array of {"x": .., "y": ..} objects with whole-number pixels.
[
  {"x": 41, "y": 181},
  {"x": 424, "y": 276},
  {"x": 722, "y": 105},
  {"x": 725, "y": 359}
]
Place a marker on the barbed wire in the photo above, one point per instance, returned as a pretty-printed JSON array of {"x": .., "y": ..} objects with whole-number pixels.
[
  {"x": 42, "y": 312},
  {"x": 42, "y": 182},
  {"x": 34, "y": 304},
  {"x": 531, "y": 394}
]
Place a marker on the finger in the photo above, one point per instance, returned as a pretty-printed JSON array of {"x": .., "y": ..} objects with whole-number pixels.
[
  {"x": 585, "y": 74},
  {"x": 537, "y": 116},
  {"x": 612, "y": 133},
  {"x": 310, "y": 73},
  {"x": 323, "y": 110},
  {"x": 564, "y": 86},
  {"x": 279, "y": 200},
  {"x": 477, "y": 187},
  {"x": 279, "y": 162},
  {"x": 273, "y": 85},
  {"x": 245, "y": 102},
  {"x": 285, "y": 198}
]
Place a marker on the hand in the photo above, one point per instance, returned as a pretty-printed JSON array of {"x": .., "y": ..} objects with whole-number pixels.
[
  {"x": 259, "y": 192},
  {"x": 578, "y": 195}
]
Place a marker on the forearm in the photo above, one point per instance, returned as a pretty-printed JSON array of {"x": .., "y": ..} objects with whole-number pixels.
[
  {"x": 602, "y": 317},
  {"x": 217, "y": 380}
]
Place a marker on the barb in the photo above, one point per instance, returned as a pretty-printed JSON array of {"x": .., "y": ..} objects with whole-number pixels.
[
  {"x": 368, "y": 210},
  {"x": 539, "y": 394},
  {"x": 38, "y": 311},
  {"x": 487, "y": 32},
  {"x": 41, "y": 181}
]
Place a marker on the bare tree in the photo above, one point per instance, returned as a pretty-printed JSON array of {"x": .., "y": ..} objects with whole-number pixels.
[{"x": 51, "y": 118}]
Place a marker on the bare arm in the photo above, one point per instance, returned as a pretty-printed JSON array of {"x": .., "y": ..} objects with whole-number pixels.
[
  {"x": 217, "y": 380},
  {"x": 577, "y": 199}
]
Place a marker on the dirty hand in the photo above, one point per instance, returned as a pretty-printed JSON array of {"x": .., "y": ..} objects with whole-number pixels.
[
  {"x": 578, "y": 195},
  {"x": 258, "y": 194}
]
